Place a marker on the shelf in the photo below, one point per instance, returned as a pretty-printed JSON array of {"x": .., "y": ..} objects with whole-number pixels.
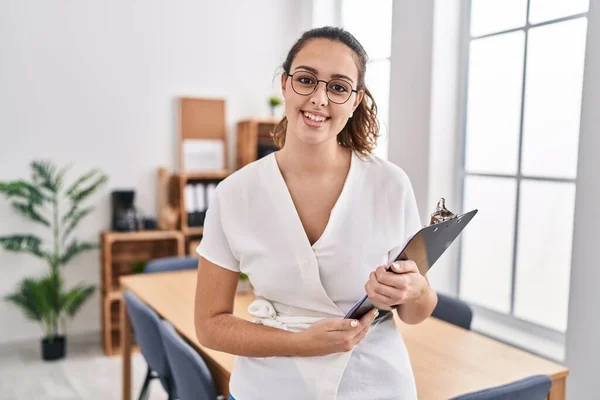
[
  {"x": 205, "y": 175},
  {"x": 192, "y": 230},
  {"x": 254, "y": 139},
  {"x": 113, "y": 236},
  {"x": 121, "y": 253},
  {"x": 114, "y": 295}
]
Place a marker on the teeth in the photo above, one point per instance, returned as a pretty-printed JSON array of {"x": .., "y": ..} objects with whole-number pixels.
[{"x": 316, "y": 118}]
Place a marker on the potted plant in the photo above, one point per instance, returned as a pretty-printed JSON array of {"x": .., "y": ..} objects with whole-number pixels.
[
  {"x": 41, "y": 200},
  {"x": 274, "y": 103}
]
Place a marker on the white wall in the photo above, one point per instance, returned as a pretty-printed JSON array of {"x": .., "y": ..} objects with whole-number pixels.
[
  {"x": 583, "y": 328},
  {"x": 410, "y": 93},
  {"x": 425, "y": 109},
  {"x": 445, "y": 129},
  {"x": 94, "y": 84}
]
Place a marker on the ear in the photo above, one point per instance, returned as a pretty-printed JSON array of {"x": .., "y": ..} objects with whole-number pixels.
[
  {"x": 359, "y": 98},
  {"x": 284, "y": 77}
]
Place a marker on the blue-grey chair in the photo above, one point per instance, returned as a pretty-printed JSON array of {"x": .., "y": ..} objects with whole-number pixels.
[
  {"x": 190, "y": 373},
  {"x": 146, "y": 328},
  {"x": 454, "y": 311},
  {"x": 171, "y": 264},
  {"x": 532, "y": 388}
]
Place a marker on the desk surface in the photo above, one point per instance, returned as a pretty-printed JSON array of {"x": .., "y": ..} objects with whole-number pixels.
[{"x": 447, "y": 360}]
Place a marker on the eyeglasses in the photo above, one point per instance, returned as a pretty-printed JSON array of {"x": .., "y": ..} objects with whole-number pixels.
[{"x": 305, "y": 83}]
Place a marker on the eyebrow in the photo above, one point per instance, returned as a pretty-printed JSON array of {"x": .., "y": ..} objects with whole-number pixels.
[{"x": 314, "y": 71}]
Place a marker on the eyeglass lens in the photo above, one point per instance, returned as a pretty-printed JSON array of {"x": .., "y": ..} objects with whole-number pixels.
[{"x": 305, "y": 83}]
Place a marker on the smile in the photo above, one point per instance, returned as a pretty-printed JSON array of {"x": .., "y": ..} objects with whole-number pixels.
[{"x": 313, "y": 119}]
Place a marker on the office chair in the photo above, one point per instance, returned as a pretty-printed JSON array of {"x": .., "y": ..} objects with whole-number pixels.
[
  {"x": 454, "y": 311},
  {"x": 190, "y": 373},
  {"x": 171, "y": 264},
  {"x": 531, "y": 388},
  {"x": 146, "y": 324}
]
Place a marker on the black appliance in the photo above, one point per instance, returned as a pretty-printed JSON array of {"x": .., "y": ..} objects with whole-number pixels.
[{"x": 125, "y": 216}]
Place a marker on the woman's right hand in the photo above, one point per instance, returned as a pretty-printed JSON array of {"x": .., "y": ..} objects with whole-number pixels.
[{"x": 334, "y": 335}]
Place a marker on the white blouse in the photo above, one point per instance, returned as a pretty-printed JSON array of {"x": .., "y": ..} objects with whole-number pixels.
[{"x": 252, "y": 226}]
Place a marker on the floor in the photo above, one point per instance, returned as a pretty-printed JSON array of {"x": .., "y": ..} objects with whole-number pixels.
[{"x": 85, "y": 374}]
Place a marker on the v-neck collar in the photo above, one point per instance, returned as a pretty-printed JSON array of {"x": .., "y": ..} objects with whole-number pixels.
[
  {"x": 291, "y": 211},
  {"x": 301, "y": 251}
]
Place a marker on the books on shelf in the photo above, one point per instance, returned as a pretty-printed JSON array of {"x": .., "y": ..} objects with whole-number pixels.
[{"x": 197, "y": 198}]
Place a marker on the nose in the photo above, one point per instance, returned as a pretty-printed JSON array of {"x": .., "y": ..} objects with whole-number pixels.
[{"x": 319, "y": 96}]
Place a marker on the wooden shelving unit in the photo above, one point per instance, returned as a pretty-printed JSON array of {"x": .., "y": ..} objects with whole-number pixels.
[
  {"x": 178, "y": 200},
  {"x": 199, "y": 118},
  {"x": 121, "y": 253},
  {"x": 252, "y": 135},
  {"x": 193, "y": 231}
]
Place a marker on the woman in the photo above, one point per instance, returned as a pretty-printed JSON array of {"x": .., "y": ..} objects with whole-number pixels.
[{"x": 309, "y": 225}]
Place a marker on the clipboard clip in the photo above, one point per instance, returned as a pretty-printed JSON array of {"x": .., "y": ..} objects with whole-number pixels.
[{"x": 441, "y": 213}]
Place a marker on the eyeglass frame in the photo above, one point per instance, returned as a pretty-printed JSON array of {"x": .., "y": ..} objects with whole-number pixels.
[{"x": 317, "y": 85}]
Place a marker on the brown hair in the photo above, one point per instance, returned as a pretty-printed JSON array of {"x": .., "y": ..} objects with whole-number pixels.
[{"x": 362, "y": 130}]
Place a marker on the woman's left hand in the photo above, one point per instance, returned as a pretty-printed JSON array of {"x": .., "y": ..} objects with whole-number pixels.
[{"x": 404, "y": 285}]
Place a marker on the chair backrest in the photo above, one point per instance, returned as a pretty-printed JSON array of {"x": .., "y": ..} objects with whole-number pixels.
[
  {"x": 190, "y": 373},
  {"x": 171, "y": 264},
  {"x": 454, "y": 311},
  {"x": 146, "y": 328},
  {"x": 532, "y": 388}
]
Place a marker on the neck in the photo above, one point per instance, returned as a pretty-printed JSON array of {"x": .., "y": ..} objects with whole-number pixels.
[{"x": 296, "y": 158}]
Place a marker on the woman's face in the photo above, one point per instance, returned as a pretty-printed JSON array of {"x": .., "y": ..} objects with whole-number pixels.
[{"x": 314, "y": 118}]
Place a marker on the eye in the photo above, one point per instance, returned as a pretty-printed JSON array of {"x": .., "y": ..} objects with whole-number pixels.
[
  {"x": 306, "y": 80},
  {"x": 338, "y": 88}
]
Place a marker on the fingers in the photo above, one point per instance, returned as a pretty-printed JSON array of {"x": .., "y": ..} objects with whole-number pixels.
[
  {"x": 369, "y": 317},
  {"x": 389, "y": 289},
  {"x": 336, "y": 324},
  {"x": 359, "y": 336},
  {"x": 377, "y": 292},
  {"x": 365, "y": 323},
  {"x": 384, "y": 277},
  {"x": 401, "y": 267},
  {"x": 346, "y": 333}
]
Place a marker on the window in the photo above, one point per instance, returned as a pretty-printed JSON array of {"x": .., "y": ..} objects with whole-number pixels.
[
  {"x": 525, "y": 62},
  {"x": 371, "y": 24}
]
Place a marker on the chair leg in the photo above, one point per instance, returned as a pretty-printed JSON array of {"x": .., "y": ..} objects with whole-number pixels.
[{"x": 145, "y": 386}]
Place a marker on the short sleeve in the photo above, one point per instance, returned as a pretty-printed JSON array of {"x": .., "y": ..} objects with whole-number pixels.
[
  {"x": 214, "y": 245},
  {"x": 411, "y": 220}
]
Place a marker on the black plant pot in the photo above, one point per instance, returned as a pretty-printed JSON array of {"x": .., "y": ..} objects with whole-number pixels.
[{"x": 54, "y": 349}]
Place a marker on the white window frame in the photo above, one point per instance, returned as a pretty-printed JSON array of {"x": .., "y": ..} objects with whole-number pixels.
[
  {"x": 385, "y": 124},
  {"x": 532, "y": 336}
]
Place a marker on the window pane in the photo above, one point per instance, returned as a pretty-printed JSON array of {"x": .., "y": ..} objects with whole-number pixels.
[
  {"x": 553, "y": 99},
  {"x": 487, "y": 254},
  {"x": 489, "y": 16},
  {"x": 545, "y": 10},
  {"x": 378, "y": 82},
  {"x": 371, "y": 23},
  {"x": 494, "y": 103},
  {"x": 544, "y": 252}
]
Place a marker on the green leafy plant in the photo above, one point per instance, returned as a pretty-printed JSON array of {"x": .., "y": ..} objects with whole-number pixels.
[
  {"x": 45, "y": 299},
  {"x": 274, "y": 101}
]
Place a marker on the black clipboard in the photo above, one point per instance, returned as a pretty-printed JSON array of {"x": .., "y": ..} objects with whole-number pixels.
[{"x": 424, "y": 248}]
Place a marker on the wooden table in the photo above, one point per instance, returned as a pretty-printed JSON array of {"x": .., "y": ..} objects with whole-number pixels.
[{"x": 447, "y": 360}]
